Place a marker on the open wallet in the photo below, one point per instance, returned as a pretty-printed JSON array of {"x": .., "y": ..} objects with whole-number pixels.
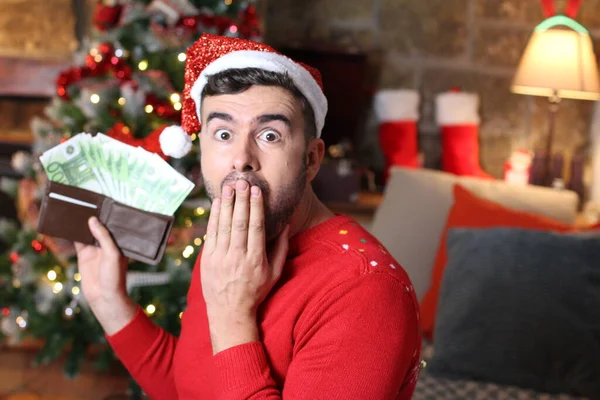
[{"x": 140, "y": 235}]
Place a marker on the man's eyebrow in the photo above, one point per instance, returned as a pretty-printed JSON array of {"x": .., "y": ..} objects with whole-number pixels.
[
  {"x": 219, "y": 115},
  {"x": 274, "y": 117}
]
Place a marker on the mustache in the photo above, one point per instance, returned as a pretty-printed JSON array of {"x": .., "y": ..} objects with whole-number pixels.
[{"x": 252, "y": 180}]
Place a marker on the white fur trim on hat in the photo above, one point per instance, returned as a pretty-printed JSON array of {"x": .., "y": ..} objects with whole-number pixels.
[
  {"x": 456, "y": 108},
  {"x": 174, "y": 141},
  {"x": 397, "y": 105},
  {"x": 273, "y": 62}
]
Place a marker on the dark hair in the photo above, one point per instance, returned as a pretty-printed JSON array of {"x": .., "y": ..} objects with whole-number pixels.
[{"x": 237, "y": 80}]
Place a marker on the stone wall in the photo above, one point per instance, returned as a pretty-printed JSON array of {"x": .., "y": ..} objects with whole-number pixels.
[{"x": 433, "y": 45}]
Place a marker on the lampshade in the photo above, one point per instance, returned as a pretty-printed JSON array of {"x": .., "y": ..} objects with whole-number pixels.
[{"x": 559, "y": 59}]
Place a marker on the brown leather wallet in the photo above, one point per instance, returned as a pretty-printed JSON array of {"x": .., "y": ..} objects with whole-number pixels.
[{"x": 139, "y": 234}]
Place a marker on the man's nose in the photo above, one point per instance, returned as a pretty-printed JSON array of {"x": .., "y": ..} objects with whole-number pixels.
[{"x": 245, "y": 159}]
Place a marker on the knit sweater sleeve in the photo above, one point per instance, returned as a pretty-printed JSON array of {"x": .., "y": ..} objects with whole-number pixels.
[
  {"x": 360, "y": 341},
  {"x": 147, "y": 351}
]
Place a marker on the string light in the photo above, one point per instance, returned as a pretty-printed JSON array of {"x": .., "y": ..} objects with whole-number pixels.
[
  {"x": 93, "y": 52},
  {"x": 148, "y": 108},
  {"x": 150, "y": 309},
  {"x": 119, "y": 53},
  {"x": 95, "y": 98},
  {"x": 233, "y": 29},
  {"x": 51, "y": 275},
  {"x": 57, "y": 287},
  {"x": 182, "y": 57},
  {"x": 188, "y": 251},
  {"x": 77, "y": 277},
  {"x": 188, "y": 222},
  {"x": 69, "y": 312},
  {"x": 177, "y": 106},
  {"x": 21, "y": 322},
  {"x": 98, "y": 58},
  {"x": 194, "y": 136},
  {"x": 197, "y": 241},
  {"x": 121, "y": 101},
  {"x": 175, "y": 98},
  {"x": 75, "y": 290},
  {"x": 143, "y": 65},
  {"x": 228, "y": 2},
  {"x": 180, "y": 315},
  {"x": 178, "y": 262}
]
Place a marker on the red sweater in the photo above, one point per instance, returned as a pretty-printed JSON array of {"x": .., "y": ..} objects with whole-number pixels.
[{"x": 341, "y": 323}]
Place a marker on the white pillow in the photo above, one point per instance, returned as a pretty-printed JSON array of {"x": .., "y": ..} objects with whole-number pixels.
[{"x": 416, "y": 202}]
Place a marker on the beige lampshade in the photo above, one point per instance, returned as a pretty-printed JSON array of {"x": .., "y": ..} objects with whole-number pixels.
[{"x": 558, "y": 60}]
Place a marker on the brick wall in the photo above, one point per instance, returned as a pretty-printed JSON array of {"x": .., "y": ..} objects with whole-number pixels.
[{"x": 432, "y": 45}]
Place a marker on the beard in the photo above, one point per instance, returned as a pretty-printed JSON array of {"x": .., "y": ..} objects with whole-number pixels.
[{"x": 279, "y": 206}]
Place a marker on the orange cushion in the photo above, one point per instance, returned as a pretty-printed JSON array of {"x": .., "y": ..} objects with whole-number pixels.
[{"x": 470, "y": 211}]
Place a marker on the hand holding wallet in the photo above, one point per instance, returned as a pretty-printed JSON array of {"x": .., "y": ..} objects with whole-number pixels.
[{"x": 88, "y": 174}]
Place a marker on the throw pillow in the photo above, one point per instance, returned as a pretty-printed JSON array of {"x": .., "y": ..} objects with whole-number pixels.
[
  {"x": 521, "y": 307},
  {"x": 470, "y": 211}
]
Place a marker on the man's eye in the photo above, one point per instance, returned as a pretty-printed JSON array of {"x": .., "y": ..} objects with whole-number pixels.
[
  {"x": 270, "y": 136},
  {"x": 222, "y": 135}
]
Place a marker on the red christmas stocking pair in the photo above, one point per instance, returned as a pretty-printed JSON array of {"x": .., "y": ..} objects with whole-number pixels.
[
  {"x": 456, "y": 115},
  {"x": 397, "y": 112}
]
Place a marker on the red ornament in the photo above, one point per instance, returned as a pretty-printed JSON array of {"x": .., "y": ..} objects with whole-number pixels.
[
  {"x": 249, "y": 22},
  {"x": 14, "y": 257},
  {"x": 6, "y": 311},
  {"x": 150, "y": 143},
  {"x": 106, "y": 49},
  {"x": 37, "y": 246},
  {"x": 106, "y": 17}
]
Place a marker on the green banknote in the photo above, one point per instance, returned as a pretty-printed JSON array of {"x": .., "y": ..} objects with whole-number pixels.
[{"x": 127, "y": 174}]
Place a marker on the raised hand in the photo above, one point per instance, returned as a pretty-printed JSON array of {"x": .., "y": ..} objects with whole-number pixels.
[
  {"x": 103, "y": 270},
  {"x": 237, "y": 273}
]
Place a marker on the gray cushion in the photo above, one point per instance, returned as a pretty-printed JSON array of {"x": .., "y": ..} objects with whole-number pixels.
[{"x": 521, "y": 307}]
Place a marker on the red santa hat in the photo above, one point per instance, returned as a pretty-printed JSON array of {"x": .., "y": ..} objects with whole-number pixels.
[{"x": 212, "y": 54}]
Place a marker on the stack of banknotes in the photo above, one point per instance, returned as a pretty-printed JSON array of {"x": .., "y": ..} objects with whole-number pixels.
[{"x": 127, "y": 174}]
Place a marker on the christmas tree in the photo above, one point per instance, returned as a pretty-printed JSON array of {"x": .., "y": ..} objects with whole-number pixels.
[{"x": 125, "y": 82}]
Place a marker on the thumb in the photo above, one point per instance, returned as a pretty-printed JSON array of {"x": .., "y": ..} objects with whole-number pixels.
[
  {"x": 279, "y": 253},
  {"x": 103, "y": 237}
]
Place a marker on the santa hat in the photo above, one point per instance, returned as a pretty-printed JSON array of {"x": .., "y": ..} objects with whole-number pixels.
[{"x": 212, "y": 54}]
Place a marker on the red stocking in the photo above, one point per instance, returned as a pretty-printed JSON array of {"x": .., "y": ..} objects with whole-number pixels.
[
  {"x": 456, "y": 114},
  {"x": 397, "y": 113}
]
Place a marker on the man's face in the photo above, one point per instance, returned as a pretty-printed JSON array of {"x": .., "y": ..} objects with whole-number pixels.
[{"x": 256, "y": 135}]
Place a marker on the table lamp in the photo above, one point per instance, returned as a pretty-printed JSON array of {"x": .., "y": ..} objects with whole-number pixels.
[{"x": 558, "y": 62}]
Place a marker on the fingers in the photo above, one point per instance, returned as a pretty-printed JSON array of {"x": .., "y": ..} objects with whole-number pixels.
[
  {"x": 225, "y": 217},
  {"x": 279, "y": 253},
  {"x": 256, "y": 228},
  {"x": 103, "y": 237},
  {"x": 241, "y": 211},
  {"x": 210, "y": 244}
]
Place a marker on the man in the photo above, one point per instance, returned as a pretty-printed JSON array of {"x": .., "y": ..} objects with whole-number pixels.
[{"x": 287, "y": 299}]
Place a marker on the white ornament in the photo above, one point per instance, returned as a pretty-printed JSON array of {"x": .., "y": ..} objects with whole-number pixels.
[
  {"x": 135, "y": 100},
  {"x": 175, "y": 142},
  {"x": 21, "y": 161},
  {"x": 44, "y": 298}
]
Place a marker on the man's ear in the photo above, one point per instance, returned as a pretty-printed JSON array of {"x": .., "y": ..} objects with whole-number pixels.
[{"x": 315, "y": 151}]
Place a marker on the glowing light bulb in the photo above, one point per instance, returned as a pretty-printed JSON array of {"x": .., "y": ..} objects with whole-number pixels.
[
  {"x": 75, "y": 290},
  {"x": 77, "y": 277},
  {"x": 148, "y": 109},
  {"x": 57, "y": 287},
  {"x": 121, "y": 101},
  {"x": 182, "y": 57},
  {"x": 175, "y": 98},
  {"x": 150, "y": 309},
  {"x": 95, "y": 98},
  {"x": 143, "y": 65},
  {"x": 51, "y": 275}
]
